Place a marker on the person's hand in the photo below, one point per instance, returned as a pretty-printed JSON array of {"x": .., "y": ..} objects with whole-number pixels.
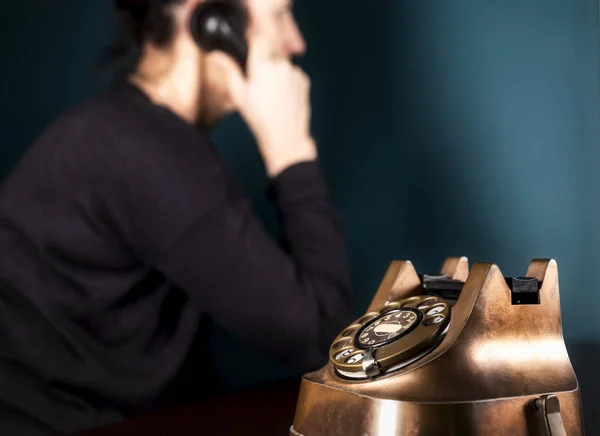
[{"x": 274, "y": 101}]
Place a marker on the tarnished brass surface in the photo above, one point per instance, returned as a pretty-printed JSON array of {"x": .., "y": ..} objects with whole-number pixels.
[
  {"x": 494, "y": 362},
  {"x": 354, "y": 415},
  {"x": 456, "y": 268},
  {"x": 401, "y": 280}
]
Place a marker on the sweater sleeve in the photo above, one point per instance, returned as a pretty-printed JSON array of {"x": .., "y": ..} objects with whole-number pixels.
[{"x": 290, "y": 303}]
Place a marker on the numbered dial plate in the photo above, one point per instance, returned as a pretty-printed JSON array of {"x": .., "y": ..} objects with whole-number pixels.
[{"x": 387, "y": 328}]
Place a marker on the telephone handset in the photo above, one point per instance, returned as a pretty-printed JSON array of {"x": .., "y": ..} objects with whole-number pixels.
[
  {"x": 221, "y": 25},
  {"x": 390, "y": 337}
]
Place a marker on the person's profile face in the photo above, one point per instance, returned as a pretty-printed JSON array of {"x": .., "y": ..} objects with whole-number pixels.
[{"x": 275, "y": 20}]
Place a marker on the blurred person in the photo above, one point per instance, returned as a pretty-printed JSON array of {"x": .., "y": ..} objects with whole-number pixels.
[{"x": 121, "y": 229}]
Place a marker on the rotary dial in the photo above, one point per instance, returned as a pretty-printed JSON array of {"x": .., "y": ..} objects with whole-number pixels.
[{"x": 391, "y": 336}]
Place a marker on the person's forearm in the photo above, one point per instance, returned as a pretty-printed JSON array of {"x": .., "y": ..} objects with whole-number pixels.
[
  {"x": 314, "y": 237},
  {"x": 290, "y": 304}
]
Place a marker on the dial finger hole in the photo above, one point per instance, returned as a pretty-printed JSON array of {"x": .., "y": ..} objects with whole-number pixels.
[
  {"x": 355, "y": 358},
  {"x": 351, "y": 329},
  {"x": 341, "y": 343},
  {"x": 434, "y": 320},
  {"x": 411, "y": 302},
  {"x": 435, "y": 310},
  {"x": 426, "y": 303},
  {"x": 368, "y": 317},
  {"x": 342, "y": 355},
  {"x": 390, "y": 306}
]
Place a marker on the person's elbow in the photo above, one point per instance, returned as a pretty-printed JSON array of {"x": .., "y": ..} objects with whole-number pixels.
[{"x": 326, "y": 318}]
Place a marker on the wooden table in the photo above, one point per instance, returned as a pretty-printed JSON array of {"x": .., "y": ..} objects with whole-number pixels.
[{"x": 267, "y": 411}]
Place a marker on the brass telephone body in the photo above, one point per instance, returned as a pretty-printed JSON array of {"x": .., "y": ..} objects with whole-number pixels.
[{"x": 488, "y": 361}]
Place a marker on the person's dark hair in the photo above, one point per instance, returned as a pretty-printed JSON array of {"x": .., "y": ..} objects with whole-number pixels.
[
  {"x": 146, "y": 20},
  {"x": 140, "y": 21}
]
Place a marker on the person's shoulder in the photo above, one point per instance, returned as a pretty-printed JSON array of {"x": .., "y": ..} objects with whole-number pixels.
[
  {"x": 122, "y": 121},
  {"x": 105, "y": 113},
  {"x": 72, "y": 145},
  {"x": 89, "y": 121}
]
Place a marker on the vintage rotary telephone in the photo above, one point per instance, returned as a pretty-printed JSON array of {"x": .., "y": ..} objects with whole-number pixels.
[
  {"x": 221, "y": 25},
  {"x": 465, "y": 353}
]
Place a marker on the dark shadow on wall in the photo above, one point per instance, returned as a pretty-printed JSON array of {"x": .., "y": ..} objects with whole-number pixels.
[
  {"x": 399, "y": 179},
  {"x": 585, "y": 356}
]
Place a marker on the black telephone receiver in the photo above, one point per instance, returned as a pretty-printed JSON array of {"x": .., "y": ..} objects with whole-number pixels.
[{"x": 221, "y": 25}]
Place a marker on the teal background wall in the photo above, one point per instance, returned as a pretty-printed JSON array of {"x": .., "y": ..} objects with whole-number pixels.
[{"x": 446, "y": 127}]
